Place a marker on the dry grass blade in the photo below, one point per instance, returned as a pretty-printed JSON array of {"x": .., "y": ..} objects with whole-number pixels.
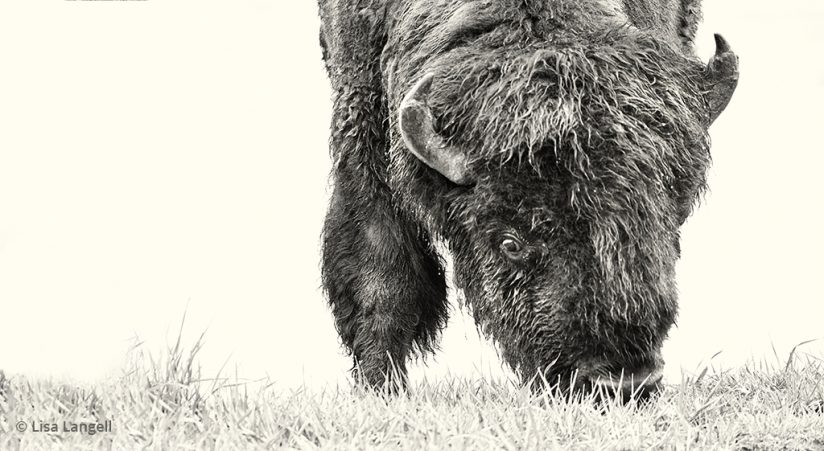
[{"x": 792, "y": 352}]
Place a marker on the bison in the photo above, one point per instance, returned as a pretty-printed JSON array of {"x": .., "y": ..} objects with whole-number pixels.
[{"x": 554, "y": 147}]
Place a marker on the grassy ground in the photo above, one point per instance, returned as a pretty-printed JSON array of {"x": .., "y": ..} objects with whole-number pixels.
[{"x": 163, "y": 404}]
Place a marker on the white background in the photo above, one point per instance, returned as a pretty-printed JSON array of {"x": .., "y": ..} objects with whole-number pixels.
[{"x": 164, "y": 155}]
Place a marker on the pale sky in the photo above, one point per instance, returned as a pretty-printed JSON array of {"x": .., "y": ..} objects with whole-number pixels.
[{"x": 161, "y": 154}]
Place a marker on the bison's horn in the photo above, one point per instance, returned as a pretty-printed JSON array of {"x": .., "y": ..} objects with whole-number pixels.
[
  {"x": 417, "y": 128},
  {"x": 721, "y": 77}
]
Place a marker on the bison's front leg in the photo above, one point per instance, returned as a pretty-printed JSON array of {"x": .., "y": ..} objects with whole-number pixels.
[{"x": 385, "y": 284}]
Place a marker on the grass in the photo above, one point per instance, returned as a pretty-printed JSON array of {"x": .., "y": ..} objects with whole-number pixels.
[{"x": 164, "y": 404}]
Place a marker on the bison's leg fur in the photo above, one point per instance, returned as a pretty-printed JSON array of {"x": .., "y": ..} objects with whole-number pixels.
[
  {"x": 383, "y": 279},
  {"x": 385, "y": 285}
]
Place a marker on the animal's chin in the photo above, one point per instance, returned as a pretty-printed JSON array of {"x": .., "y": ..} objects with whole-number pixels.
[
  {"x": 638, "y": 386},
  {"x": 599, "y": 379},
  {"x": 610, "y": 387}
]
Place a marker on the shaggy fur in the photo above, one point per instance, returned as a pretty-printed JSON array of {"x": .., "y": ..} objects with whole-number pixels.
[{"x": 585, "y": 127}]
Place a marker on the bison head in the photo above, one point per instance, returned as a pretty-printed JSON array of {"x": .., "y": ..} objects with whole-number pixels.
[{"x": 563, "y": 174}]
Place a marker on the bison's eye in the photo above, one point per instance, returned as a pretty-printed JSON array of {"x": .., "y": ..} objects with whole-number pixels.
[{"x": 512, "y": 247}]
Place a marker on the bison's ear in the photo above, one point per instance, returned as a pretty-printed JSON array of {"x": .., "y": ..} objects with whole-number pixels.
[
  {"x": 721, "y": 77},
  {"x": 417, "y": 128}
]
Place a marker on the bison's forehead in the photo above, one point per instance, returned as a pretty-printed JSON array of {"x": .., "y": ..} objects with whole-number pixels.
[
  {"x": 599, "y": 130},
  {"x": 584, "y": 97},
  {"x": 614, "y": 125}
]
